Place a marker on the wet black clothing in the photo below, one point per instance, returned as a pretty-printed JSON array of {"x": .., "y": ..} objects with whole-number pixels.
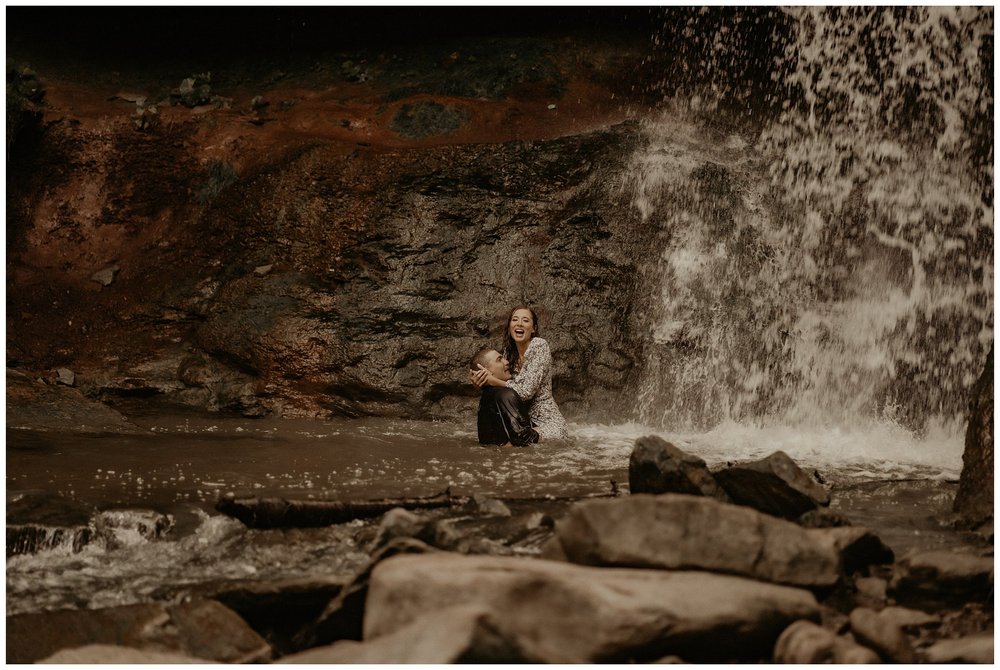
[{"x": 503, "y": 418}]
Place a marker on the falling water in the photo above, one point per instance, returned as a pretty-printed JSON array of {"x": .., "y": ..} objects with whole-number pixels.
[{"x": 828, "y": 263}]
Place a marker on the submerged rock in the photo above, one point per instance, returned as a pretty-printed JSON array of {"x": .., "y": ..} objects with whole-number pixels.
[
  {"x": 461, "y": 634},
  {"x": 563, "y": 613},
  {"x": 805, "y": 642},
  {"x": 127, "y": 527},
  {"x": 678, "y": 532},
  {"x": 39, "y": 521},
  {"x": 201, "y": 629},
  {"x": 974, "y": 500},
  {"x": 657, "y": 466},
  {"x": 775, "y": 485}
]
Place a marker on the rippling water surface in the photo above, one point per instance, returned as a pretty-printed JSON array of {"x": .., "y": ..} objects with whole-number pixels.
[{"x": 888, "y": 479}]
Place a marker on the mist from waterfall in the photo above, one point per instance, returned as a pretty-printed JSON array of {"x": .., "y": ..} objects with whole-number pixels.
[{"x": 828, "y": 263}]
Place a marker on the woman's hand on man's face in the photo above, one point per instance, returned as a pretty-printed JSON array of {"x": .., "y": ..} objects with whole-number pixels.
[{"x": 479, "y": 377}]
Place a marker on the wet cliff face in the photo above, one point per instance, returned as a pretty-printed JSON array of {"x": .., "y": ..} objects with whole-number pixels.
[
  {"x": 736, "y": 214},
  {"x": 332, "y": 236}
]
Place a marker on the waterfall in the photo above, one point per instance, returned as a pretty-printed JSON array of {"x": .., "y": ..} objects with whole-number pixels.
[{"x": 828, "y": 262}]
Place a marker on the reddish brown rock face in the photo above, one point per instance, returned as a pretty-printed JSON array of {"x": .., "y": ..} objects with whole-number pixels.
[{"x": 389, "y": 189}]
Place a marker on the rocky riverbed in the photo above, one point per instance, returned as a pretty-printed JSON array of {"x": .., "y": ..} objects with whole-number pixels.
[{"x": 641, "y": 577}]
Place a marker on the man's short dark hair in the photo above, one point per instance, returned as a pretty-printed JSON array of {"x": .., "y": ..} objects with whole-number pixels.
[{"x": 480, "y": 358}]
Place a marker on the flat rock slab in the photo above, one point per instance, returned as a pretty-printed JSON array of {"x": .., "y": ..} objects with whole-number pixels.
[
  {"x": 681, "y": 532},
  {"x": 32, "y": 405},
  {"x": 461, "y": 634},
  {"x": 563, "y": 613},
  {"x": 935, "y": 578},
  {"x": 202, "y": 629}
]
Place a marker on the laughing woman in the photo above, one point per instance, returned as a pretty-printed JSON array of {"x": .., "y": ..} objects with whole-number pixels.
[{"x": 531, "y": 363}]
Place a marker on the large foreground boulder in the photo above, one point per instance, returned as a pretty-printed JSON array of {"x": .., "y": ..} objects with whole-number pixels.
[
  {"x": 202, "y": 629},
  {"x": 657, "y": 466},
  {"x": 974, "y": 499},
  {"x": 461, "y": 634},
  {"x": 342, "y": 617},
  {"x": 774, "y": 485},
  {"x": 563, "y": 613},
  {"x": 679, "y": 532}
]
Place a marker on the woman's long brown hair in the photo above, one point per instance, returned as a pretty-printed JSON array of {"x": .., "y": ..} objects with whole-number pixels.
[{"x": 510, "y": 351}]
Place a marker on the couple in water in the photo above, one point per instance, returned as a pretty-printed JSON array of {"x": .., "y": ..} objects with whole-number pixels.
[{"x": 517, "y": 407}]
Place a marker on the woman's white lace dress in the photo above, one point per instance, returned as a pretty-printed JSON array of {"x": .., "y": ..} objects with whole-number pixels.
[{"x": 533, "y": 384}]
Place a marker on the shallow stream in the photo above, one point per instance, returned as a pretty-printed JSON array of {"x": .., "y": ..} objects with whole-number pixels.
[{"x": 882, "y": 477}]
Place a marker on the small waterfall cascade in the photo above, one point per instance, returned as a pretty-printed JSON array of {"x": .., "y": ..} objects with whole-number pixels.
[{"x": 830, "y": 262}]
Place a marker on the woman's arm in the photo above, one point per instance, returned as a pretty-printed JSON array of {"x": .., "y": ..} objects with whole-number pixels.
[{"x": 537, "y": 363}]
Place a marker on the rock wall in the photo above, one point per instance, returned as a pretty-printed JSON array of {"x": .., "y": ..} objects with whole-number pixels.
[
  {"x": 317, "y": 242},
  {"x": 451, "y": 238}
]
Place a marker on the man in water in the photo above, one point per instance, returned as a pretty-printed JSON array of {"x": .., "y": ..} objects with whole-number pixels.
[{"x": 503, "y": 418}]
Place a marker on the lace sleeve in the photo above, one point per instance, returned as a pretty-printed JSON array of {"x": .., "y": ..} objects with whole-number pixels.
[{"x": 537, "y": 363}]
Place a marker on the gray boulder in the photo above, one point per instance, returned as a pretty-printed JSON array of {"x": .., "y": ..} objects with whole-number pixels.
[
  {"x": 657, "y": 466},
  {"x": 881, "y": 634},
  {"x": 942, "y": 578},
  {"x": 774, "y": 485},
  {"x": 972, "y": 649},
  {"x": 562, "y": 613},
  {"x": 202, "y": 629},
  {"x": 94, "y": 654},
  {"x": 679, "y": 532},
  {"x": 461, "y": 634},
  {"x": 805, "y": 642}
]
